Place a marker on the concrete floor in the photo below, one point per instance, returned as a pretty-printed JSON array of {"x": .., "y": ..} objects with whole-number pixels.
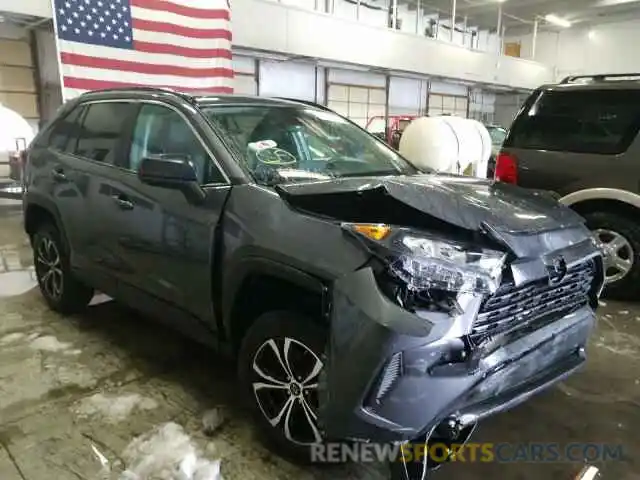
[{"x": 76, "y": 392}]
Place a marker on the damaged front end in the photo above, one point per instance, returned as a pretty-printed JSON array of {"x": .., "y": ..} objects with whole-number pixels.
[{"x": 435, "y": 332}]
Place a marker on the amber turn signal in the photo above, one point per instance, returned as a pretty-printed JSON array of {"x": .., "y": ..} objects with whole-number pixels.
[{"x": 374, "y": 231}]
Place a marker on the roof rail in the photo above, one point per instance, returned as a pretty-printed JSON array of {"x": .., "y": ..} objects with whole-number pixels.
[
  {"x": 305, "y": 102},
  {"x": 186, "y": 96},
  {"x": 601, "y": 77}
]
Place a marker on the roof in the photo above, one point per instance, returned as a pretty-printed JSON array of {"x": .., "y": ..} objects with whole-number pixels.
[
  {"x": 204, "y": 100},
  {"x": 604, "y": 81}
]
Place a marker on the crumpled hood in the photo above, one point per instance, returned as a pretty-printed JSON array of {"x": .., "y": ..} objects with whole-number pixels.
[{"x": 464, "y": 202}]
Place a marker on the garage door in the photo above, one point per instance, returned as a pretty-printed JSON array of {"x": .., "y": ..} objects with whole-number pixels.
[
  {"x": 17, "y": 85},
  {"x": 448, "y": 105},
  {"x": 357, "y": 103},
  {"x": 17, "y": 92},
  {"x": 244, "y": 80}
]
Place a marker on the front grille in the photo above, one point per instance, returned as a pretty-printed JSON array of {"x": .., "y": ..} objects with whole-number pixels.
[{"x": 512, "y": 306}]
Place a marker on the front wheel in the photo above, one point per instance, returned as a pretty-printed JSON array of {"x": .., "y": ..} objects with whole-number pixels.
[
  {"x": 280, "y": 363},
  {"x": 619, "y": 239}
]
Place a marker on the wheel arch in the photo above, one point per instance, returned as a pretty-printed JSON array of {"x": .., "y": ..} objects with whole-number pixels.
[
  {"x": 259, "y": 285},
  {"x": 37, "y": 212},
  {"x": 604, "y": 199}
]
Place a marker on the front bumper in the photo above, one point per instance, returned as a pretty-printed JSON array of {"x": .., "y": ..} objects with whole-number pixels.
[{"x": 392, "y": 377}]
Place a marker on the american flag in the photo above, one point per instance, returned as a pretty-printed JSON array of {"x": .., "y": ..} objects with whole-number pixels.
[{"x": 183, "y": 45}]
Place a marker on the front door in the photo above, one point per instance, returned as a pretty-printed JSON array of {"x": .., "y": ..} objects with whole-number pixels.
[{"x": 166, "y": 242}]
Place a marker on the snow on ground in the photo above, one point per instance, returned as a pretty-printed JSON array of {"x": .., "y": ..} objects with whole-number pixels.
[
  {"x": 115, "y": 408},
  {"x": 167, "y": 453},
  {"x": 49, "y": 343}
]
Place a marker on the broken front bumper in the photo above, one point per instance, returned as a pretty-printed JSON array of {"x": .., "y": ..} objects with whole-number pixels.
[{"x": 392, "y": 376}]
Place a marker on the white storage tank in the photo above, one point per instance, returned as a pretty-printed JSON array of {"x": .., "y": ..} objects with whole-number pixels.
[{"x": 448, "y": 145}]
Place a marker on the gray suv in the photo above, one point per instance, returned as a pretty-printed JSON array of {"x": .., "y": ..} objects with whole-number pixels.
[
  {"x": 580, "y": 139},
  {"x": 359, "y": 298}
]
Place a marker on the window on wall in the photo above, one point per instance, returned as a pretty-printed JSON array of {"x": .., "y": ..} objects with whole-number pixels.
[
  {"x": 359, "y": 104},
  {"x": 447, "y": 105}
]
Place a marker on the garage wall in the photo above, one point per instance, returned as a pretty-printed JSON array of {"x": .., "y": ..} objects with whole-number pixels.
[
  {"x": 608, "y": 47},
  {"x": 17, "y": 78},
  {"x": 50, "y": 90},
  {"x": 360, "y": 96}
]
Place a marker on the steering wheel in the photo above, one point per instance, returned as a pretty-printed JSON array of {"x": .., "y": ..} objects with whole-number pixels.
[{"x": 275, "y": 157}]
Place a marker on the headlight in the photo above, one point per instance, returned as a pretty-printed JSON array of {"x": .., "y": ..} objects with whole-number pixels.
[{"x": 426, "y": 262}]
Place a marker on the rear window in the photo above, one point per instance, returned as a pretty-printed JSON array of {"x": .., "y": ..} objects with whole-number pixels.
[{"x": 588, "y": 121}]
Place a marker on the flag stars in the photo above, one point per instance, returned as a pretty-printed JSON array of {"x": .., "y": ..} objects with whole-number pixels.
[
  {"x": 67, "y": 4},
  {"x": 69, "y": 21},
  {"x": 127, "y": 38},
  {"x": 83, "y": 24},
  {"x": 108, "y": 28},
  {"x": 121, "y": 30},
  {"x": 88, "y": 17},
  {"x": 115, "y": 37},
  {"x": 107, "y": 13},
  {"x": 102, "y": 34},
  {"x": 61, "y": 11},
  {"x": 114, "y": 21},
  {"x": 101, "y": 19},
  {"x": 77, "y": 30},
  {"x": 75, "y": 14},
  {"x": 63, "y": 28},
  {"x": 90, "y": 33},
  {"x": 119, "y": 15},
  {"x": 95, "y": 26},
  {"x": 81, "y": 8}
]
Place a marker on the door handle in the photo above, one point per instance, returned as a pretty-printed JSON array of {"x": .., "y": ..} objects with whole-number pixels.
[
  {"x": 123, "y": 202},
  {"x": 58, "y": 175}
]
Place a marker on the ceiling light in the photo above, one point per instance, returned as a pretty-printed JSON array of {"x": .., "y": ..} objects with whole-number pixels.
[{"x": 561, "y": 22}]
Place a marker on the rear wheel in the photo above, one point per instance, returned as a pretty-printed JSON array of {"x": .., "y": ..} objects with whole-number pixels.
[
  {"x": 61, "y": 290},
  {"x": 619, "y": 238},
  {"x": 280, "y": 362}
]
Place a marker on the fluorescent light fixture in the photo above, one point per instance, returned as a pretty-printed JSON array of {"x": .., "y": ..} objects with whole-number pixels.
[{"x": 556, "y": 20}]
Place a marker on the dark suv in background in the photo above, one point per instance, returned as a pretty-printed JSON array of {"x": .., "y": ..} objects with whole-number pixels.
[
  {"x": 361, "y": 299},
  {"x": 580, "y": 139}
]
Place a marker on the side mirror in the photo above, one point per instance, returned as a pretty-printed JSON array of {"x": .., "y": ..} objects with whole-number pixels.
[{"x": 171, "y": 172}]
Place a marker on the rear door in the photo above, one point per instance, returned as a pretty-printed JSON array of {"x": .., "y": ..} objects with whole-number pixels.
[
  {"x": 96, "y": 151},
  {"x": 565, "y": 140},
  {"x": 56, "y": 175}
]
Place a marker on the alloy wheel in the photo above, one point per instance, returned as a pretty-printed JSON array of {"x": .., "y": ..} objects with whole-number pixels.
[
  {"x": 285, "y": 386},
  {"x": 49, "y": 268},
  {"x": 618, "y": 254}
]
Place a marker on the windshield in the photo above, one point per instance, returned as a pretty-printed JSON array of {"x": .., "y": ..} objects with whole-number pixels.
[
  {"x": 280, "y": 144},
  {"x": 497, "y": 135}
]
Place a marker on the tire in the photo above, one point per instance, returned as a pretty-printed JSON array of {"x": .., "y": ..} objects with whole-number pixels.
[
  {"x": 626, "y": 287},
  {"x": 306, "y": 341},
  {"x": 59, "y": 287}
]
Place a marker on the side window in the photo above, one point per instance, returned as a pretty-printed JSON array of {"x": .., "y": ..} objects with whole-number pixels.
[
  {"x": 162, "y": 131},
  {"x": 588, "y": 121},
  {"x": 102, "y": 129},
  {"x": 64, "y": 133}
]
